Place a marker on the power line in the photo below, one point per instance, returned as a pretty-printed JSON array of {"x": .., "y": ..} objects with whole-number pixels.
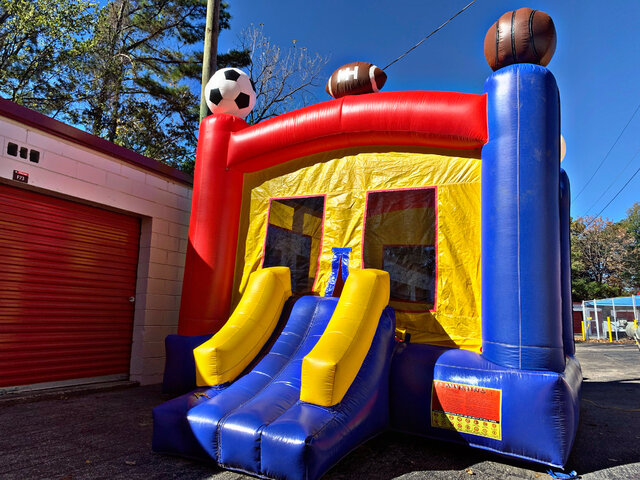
[
  {"x": 616, "y": 196},
  {"x": 607, "y": 155},
  {"x": 421, "y": 41},
  {"x": 614, "y": 181}
]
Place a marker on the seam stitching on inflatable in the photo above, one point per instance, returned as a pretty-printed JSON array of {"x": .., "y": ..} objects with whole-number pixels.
[
  {"x": 497, "y": 42},
  {"x": 518, "y": 215},
  {"x": 225, "y": 417},
  {"x": 428, "y": 144},
  {"x": 513, "y": 38},
  {"x": 537, "y": 373},
  {"x": 526, "y": 346},
  {"x": 531, "y": 38},
  {"x": 337, "y": 409},
  {"x": 262, "y": 340},
  {"x": 372, "y": 79}
]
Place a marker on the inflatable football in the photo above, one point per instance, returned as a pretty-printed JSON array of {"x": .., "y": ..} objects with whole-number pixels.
[{"x": 355, "y": 78}]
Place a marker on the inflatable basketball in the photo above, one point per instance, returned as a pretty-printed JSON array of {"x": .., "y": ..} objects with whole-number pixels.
[{"x": 520, "y": 36}]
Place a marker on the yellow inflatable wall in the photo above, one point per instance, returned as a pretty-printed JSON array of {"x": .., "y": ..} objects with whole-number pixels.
[{"x": 346, "y": 182}]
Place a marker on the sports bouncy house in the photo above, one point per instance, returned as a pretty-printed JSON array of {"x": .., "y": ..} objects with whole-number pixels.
[{"x": 381, "y": 261}]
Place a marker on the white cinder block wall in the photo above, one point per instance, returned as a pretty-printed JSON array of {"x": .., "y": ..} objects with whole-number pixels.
[{"x": 84, "y": 168}]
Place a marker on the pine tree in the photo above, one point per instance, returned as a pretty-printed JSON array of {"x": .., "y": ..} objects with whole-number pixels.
[
  {"x": 128, "y": 72},
  {"x": 40, "y": 43},
  {"x": 143, "y": 69}
]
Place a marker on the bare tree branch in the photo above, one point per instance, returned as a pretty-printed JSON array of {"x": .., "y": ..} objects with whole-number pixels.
[{"x": 283, "y": 78}]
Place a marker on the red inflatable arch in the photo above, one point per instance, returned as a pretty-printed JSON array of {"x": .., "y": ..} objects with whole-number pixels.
[{"x": 228, "y": 148}]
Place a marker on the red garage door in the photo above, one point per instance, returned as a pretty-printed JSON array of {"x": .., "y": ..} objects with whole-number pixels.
[{"x": 67, "y": 273}]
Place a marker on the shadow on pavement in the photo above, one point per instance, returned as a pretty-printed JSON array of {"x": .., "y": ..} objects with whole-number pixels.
[
  {"x": 107, "y": 434},
  {"x": 609, "y": 429}
]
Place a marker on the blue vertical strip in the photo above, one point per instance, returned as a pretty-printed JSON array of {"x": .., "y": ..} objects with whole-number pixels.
[
  {"x": 521, "y": 294},
  {"x": 339, "y": 263},
  {"x": 180, "y": 366},
  {"x": 565, "y": 263}
]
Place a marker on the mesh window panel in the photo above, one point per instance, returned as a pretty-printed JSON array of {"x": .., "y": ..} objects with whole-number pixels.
[
  {"x": 294, "y": 233},
  {"x": 400, "y": 238}
]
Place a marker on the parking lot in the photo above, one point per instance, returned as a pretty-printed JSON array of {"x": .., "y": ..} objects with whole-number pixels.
[{"x": 106, "y": 434}]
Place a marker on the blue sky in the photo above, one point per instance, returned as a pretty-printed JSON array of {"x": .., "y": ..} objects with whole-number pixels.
[{"x": 596, "y": 64}]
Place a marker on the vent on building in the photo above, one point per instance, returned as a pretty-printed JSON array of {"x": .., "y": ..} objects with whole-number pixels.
[{"x": 13, "y": 149}]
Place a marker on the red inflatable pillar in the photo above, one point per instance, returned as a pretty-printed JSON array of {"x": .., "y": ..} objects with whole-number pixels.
[{"x": 213, "y": 230}]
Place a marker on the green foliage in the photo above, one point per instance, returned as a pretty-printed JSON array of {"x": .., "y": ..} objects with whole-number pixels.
[
  {"x": 40, "y": 42},
  {"x": 234, "y": 58},
  {"x": 632, "y": 264},
  {"x": 128, "y": 72},
  {"x": 632, "y": 222},
  {"x": 604, "y": 257},
  {"x": 134, "y": 84},
  {"x": 583, "y": 289}
]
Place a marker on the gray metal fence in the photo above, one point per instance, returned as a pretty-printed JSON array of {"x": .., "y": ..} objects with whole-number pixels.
[{"x": 610, "y": 318}]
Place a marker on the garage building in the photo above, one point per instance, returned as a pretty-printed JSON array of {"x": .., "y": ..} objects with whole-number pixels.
[{"x": 92, "y": 244}]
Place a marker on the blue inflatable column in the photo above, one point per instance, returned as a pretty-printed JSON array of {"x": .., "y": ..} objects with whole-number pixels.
[
  {"x": 521, "y": 285},
  {"x": 565, "y": 263}
]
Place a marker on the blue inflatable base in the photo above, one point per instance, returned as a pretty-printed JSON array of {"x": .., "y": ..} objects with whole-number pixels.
[
  {"x": 257, "y": 424},
  {"x": 537, "y": 410}
]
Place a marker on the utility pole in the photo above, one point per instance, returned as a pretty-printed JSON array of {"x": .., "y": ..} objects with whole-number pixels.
[{"x": 210, "y": 57}]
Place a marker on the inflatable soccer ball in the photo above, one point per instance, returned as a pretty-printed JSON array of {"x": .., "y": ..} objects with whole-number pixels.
[{"x": 230, "y": 91}]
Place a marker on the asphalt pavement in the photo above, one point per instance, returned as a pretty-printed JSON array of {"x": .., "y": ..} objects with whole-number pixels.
[{"x": 101, "y": 433}]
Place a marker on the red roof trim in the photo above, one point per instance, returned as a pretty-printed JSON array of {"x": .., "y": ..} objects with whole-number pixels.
[{"x": 49, "y": 125}]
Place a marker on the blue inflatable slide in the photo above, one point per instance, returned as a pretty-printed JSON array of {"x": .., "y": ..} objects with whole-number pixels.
[{"x": 259, "y": 425}]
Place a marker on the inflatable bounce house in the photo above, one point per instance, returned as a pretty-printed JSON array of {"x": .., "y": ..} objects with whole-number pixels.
[{"x": 381, "y": 261}]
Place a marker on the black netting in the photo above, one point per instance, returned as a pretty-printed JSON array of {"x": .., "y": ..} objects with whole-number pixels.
[
  {"x": 294, "y": 231},
  {"x": 400, "y": 238},
  {"x": 412, "y": 271}
]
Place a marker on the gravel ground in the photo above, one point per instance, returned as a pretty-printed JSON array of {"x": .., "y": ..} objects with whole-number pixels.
[{"x": 107, "y": 435}]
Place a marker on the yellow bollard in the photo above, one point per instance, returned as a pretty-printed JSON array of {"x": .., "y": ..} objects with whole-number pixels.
[
  {"x": 609, "y": 324},
  {"x": 583, "y": 336}
]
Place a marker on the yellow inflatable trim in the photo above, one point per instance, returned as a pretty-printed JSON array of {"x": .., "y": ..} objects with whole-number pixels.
[
  {"x": 225, "y": 355},
  {"x": 330, "y": 368}
]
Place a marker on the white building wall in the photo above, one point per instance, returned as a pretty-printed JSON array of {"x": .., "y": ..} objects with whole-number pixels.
[{"x": 163, "y": 204}]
